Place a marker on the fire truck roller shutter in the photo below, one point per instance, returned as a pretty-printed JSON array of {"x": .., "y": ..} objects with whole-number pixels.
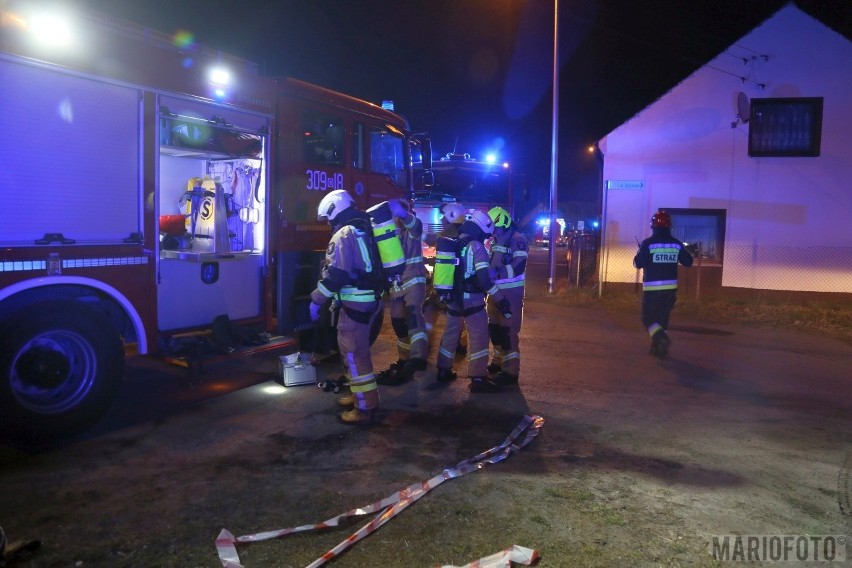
[{"x": 61, "y": 365}]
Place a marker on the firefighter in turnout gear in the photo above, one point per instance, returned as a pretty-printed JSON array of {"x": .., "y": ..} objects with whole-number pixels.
[
  {"x": 348, "y": 278},
  {"x": 407, "y": 296},
  {"x": 452, "y": 217},
  {"x": 466, "y": 304},
  {"x": 658, "y": 257},
  {"x": 509, "y": 254}
]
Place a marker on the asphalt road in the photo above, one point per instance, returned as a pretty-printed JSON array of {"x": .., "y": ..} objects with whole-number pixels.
[
  {"x": 743, "y": 430},
  {"x": 611, "y": 346}
]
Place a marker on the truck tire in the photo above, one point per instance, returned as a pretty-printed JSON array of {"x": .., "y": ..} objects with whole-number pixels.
[{"x": 61, "y": 365}]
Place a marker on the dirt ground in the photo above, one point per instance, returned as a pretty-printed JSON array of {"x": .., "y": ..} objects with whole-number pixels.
[{"x": 638, "y": 463}]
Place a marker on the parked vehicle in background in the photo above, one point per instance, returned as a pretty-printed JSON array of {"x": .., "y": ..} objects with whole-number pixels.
[{"x": 159, "y": 187}]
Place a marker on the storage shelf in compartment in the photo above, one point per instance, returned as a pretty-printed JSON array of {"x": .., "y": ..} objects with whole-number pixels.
[
  {"x": 193, "y": 256},
  {"x": 181, "y": 152}
]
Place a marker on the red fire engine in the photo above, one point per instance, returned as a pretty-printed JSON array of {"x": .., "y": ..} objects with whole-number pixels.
[{"x": 151, "y": 187}]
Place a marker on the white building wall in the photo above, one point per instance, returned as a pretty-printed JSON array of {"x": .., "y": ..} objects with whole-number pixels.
[{"x": 789, "y": 220}]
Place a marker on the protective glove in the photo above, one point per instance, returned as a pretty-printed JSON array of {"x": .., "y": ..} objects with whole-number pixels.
[
  {"x": 315, "y": 311},
  {"x": 397, "y": 208},
  {"x": 504, "y": 308}
]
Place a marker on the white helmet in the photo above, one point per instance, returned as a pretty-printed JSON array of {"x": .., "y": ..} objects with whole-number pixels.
[
  {"x": 453, "y": 212},
  {"x": 333, "y": 203},
  {"x": 482, "y": 220}
]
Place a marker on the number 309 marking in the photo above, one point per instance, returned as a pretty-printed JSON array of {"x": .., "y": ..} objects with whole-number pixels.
[{"x": 319, "y": 180}]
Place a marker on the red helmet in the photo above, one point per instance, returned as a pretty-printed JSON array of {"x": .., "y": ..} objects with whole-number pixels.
[{"x": 661, "y": 220}]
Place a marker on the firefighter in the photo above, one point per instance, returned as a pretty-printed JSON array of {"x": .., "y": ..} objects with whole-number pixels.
[
  {"x": 466, "y": 305},
  {"x": 452, "y": 217},
  {"x": 346, "y": 278},
  {"x": 407, "y": 297},
  {"x": 509, "y": 253},
  {"x": 658, "y": 257}
]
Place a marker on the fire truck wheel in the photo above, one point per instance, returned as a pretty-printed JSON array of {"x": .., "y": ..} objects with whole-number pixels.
[{"x": 60, "y": 368}]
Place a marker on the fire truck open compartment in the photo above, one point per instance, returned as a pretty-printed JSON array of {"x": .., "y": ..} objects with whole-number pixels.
[{"x": 211, "y": 171}]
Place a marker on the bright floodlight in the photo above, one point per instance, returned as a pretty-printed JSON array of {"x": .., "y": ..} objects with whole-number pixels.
[
  {"x": 491, "y": 158},
  {"x": 51, "y": 29},
  {"x": 220, "y": 77}
]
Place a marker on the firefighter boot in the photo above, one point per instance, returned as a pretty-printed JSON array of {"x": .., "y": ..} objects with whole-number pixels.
[
  {"x": 445, "y": 375},
  {"x": 347, "y": 399},
  {"x": 483, "y": 385},
  {"x": 393, "y": 375},
  {"x": 357, "y": 417},
  {"x": 494, "y": 368},
  {"x": 505, "y": 379},
  {"x": 413, "y": 365},
  {"x": 660, "y": 345}
]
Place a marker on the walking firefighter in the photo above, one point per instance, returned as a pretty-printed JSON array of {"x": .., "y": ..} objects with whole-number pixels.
[{"x": 658, "y": 257}]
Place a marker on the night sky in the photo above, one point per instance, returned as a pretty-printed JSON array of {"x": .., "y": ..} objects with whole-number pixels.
[{"x": 477, "y": 74}]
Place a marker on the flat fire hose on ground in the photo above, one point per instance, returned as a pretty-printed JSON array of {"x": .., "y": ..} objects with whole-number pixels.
[{"x": 390, "y": 506}]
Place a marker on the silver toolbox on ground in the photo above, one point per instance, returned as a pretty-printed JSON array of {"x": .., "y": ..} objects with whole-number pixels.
[{"x": 296, "y": 369}]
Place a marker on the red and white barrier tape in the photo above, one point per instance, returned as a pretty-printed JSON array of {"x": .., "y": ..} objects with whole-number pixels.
[
  {"x": 503, "y": 559},
  {"x": 390, "y": 506}
]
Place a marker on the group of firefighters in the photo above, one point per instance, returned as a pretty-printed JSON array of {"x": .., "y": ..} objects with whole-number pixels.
[{"x": 487, "y": 300}]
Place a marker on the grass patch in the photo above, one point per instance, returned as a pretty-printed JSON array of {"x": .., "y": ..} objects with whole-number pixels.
[{"x": 829, "y": 319}]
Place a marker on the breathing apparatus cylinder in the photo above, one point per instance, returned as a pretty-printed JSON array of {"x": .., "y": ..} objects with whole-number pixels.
[
  {"x": 446, "y": 260},
  {"x": 384, "y": 233}
]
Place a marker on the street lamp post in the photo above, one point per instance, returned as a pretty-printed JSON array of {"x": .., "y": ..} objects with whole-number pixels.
[{"x": 554, "y": 149}]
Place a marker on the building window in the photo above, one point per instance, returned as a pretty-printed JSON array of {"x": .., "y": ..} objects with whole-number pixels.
[
  {"x": 785, "y": 127},
  {"x": 702, "y": 230}
]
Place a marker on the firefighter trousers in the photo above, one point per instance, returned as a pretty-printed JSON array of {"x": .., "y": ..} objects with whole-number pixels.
[
  {"x": 657, "y": 306},
  {"x": 353, "y": 340},
  {"x": 505, "y": 333},
  {"x": 406, "y": 312},
  {"x": 471, "y": 314}
]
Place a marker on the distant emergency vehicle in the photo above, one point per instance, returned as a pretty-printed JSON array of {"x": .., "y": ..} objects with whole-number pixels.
[{"x": 459, "y": 178}]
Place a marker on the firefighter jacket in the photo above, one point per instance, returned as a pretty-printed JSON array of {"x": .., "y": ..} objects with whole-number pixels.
[
  {"x": 348, "y": 271},
  {"x": 476, "y": 281},
  {"x": 411, "y": 235},
  {"x": 509, "y": 254},
  {"x": 658, "y": 257}
]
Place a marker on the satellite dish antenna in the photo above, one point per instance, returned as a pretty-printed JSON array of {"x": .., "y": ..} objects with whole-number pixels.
[{"x": 743, "y": 107}]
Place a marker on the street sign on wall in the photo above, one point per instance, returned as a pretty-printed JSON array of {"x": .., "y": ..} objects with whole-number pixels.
[{"x": 625, "y": 184}]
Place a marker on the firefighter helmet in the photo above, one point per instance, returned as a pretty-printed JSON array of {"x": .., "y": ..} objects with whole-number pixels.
[
  {"x": 482, "y": 221},
  {"x": 333, "y": 203},
  {"x": 453, "y": 212},
  {"x": 500, "y": 217},
  {"x": 661, "y": 220}
]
